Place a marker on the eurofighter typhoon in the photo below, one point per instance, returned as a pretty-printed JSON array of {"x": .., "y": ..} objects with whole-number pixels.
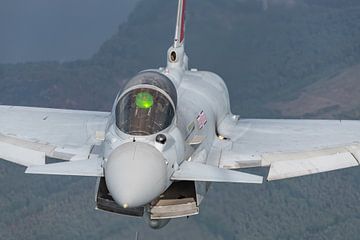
[{"x": 170, "y": 134}]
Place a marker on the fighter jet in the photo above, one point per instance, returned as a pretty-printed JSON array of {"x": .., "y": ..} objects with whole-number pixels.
[{"x": 170, "y": 134}]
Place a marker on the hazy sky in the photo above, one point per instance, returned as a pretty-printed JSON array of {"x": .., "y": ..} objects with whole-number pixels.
[{"x": 33, "y": 30}]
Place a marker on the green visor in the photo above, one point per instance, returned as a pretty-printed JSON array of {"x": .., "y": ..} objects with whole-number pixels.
[{"x": 144, "y": 100}]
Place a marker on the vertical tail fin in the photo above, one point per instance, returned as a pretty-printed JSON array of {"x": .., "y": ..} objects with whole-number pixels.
[
  {"x": 177, "y": 58},
  {"x": 180, "y": 25}
]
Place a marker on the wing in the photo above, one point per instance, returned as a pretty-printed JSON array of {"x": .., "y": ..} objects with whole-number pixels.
[
  {"x": 290, "y": 147},
  {"x": 193, "y": 171},
  {"x": 29, "y": 136}
]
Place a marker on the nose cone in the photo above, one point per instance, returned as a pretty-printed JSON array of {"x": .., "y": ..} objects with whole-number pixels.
[{"x": 135, "y": 174}]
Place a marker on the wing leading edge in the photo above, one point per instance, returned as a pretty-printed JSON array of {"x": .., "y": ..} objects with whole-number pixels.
[
  {"x": 89, "y": 168},
  {"x": 28, "y": 136},
  {"x": 193, "y": 171},
  {"x": 290, "y": 148}
]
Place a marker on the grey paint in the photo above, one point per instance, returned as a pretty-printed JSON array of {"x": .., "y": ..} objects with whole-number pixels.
[{"x": 135, "y": 174}]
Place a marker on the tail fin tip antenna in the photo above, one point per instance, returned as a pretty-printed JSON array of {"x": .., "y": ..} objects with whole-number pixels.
[{"x": 180, "y": 24}]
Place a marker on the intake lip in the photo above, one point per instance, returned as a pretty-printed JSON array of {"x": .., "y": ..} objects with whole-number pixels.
[{"x": 135, "y": 174}]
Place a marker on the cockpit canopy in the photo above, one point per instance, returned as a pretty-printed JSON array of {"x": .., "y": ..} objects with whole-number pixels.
[{"x": 147, "y": 104}]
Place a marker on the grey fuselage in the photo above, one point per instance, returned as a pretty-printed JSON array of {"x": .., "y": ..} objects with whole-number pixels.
[{"x": 137, "y": 168}]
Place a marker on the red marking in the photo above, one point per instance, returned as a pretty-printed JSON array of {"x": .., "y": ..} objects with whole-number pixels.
[
  {"x": 201, "y": 119},
  {"x": 182, "y": 33}
]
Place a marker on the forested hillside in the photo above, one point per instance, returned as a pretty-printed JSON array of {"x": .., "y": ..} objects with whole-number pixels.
[
  {"x": 268, "y": 57},
  {"x": 262, "y": 55}
]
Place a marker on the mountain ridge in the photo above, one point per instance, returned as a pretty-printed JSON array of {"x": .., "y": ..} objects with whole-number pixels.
[{"x": 327, "y": 98}]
